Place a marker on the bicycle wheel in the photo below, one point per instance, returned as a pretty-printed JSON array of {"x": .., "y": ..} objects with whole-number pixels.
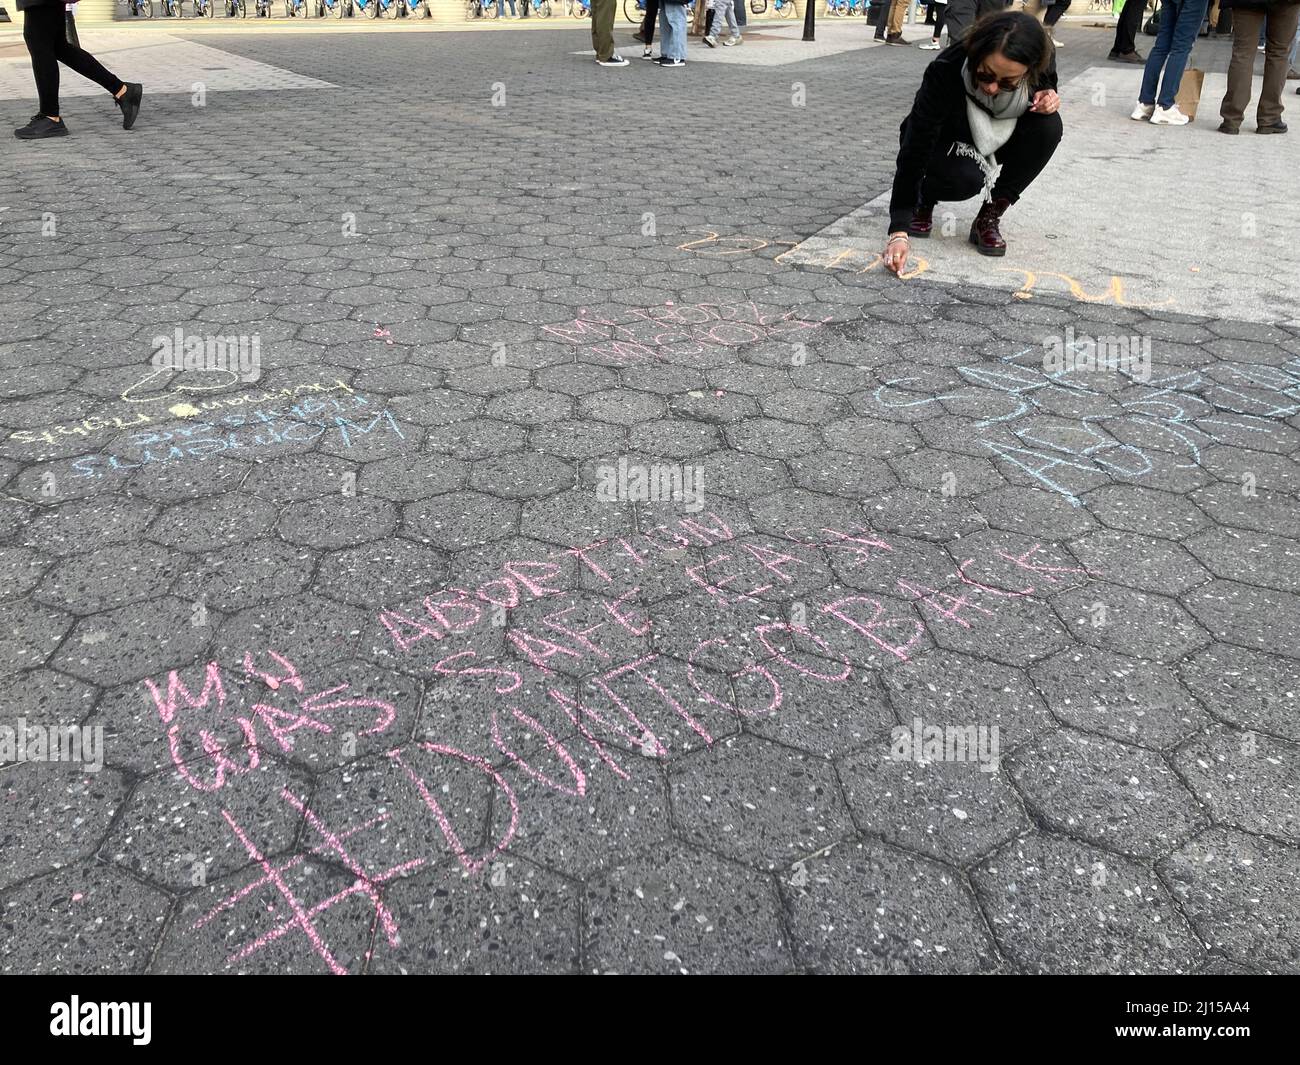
[
  {"x": 786, "y": 10},
  {"x": 630, "y": 12},
  {"x": 146, "y": 6},
  {"x": 372, "y": 9},
  {"x": 545, "y": 10},
  {"x": 243, "y": 8},
  {"x": 338, "y": 8}
]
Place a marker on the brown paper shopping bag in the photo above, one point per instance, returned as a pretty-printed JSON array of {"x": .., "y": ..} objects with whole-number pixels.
[{"x": 1189, "y": 91}]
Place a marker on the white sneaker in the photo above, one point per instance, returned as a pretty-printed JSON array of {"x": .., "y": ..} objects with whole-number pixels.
[
  {"x": 1141, "y": 111},
  {"x": 711, "y": 41},
  {"x": 1169, "y": 116},
  {"x": 930, "y": 46}
]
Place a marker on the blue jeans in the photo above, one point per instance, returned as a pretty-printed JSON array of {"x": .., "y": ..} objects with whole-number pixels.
[
  {"x": 672, "y": 28},
  {"x": 501, "y": 8},
  {"x": 1180, "y": 21}
]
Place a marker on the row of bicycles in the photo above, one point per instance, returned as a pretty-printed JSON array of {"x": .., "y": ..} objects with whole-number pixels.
[
  {"x": 633, "y": 10},
  {"x": 292, "y": 8}
]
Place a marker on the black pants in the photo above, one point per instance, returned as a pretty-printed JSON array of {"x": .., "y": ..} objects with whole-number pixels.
[
  {"x": 940, "y": 15},
  {"x": 950, "y": 177},
  {"x": 648, "y": 23},
  {"x": 45, "y": 32},
  {"x": 1053, "y": 14},
  {"x": 1126, "y": 31}
]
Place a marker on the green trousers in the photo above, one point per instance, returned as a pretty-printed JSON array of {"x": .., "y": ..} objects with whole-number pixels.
[{"x": 602, "y": 27}]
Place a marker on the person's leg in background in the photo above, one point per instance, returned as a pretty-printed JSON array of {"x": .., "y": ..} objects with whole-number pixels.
[
  {"x": 1241, "y": 68},
  {"x": 42, "y": 32},
  {"x": 1053, "y": 16},
  {"x": 602, "y": 29},
  {"x": 1291, "y": 72},
  {"x": 742, "y": 14},
  {"x": 1130, "y": 21},
  {"x": 1186, "y": 16},
  {"x": 1158, "y": 54},
  {"x": 1280, "y": 28},
  {"x": 960, "y": 18},
  {"x": 672, "y": 26},
  {"x": 940, "y": 17},
  {"x": 897, "y": 12},
  {"x": 645, "y": 33}
]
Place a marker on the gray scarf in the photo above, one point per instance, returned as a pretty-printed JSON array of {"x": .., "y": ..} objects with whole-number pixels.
[{"x": 992, "y": 118}]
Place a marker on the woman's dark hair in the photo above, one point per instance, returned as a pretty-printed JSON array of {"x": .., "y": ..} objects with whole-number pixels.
[{"x": 1019, "y": 37}]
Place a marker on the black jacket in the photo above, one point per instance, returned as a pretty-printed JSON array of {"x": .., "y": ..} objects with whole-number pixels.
[
  {"x": 938, "y": 116},
  {"x": 23, "y": 5}
]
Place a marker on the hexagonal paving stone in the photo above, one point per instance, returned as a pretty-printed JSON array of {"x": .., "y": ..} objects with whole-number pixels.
[
  {"x": 815, "y": 715},
  {"x": 379, "y": 571},
  {"x": 304, "y": 627},
  {"x": 52, "y": 815},
  {"x": 1249, "y": 781},
  {"x": 758, "y": 803},
  {"x": 511, "y": 917},
  {"x": 82, "y": 920},
  {"x": 337, "y": 520},
  {"x": 1123, "y": 698},
  {"x": 109, "y": 577},
  {"x": 1058, "y": 906},
  {"x": 460, "y": 519},
  {"x": 212, "y": 523},
  {"x": 1146, "y": 511},
  {"x": 521, "y": 476},
  {"x": 604, "y": 812},
  {"x": 946, "y": 688},
  {"x": 45, "y": 697},
  {"x": 1251, "y": 557},
  {"x": 245, "y": 923},
  {"x": 1265, "y": 511},
  {"x": 1246, "y": 688},
  {"x": 1238, "y": 891},
  {"x": 137, "y": 640},
  {"x": 1146, "y": 563},
  {"x": 245, "y": 574},
  {"x": 675, "y": 909},
  {"x": 869, "y": 908},
  {"x": 1241, "y": 613},
  {"x": 408, "y": 477},
  {"x": 1116, "y": 796},
  {"x": 574, "y": 518},
  {"x": 1034, "y": 512},
  {"x": 773, "y": 438},
  {"x": 1139, "y": 624},
  {"x": 176, "y": 835},
  {"x": 954, "y": 811},
  {"x": 85, "y": 524}
]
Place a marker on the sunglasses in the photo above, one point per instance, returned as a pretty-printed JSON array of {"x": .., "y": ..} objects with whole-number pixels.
[{"x": 983, "y": 77}]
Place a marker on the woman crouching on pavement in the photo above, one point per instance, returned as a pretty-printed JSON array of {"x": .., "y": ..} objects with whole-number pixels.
[{"x": 986, "y": 118}]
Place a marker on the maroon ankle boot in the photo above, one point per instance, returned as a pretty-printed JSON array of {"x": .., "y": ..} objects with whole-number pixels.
[
  {"x": 922, "y": 220},
  {"x": 984, "y": 232}
]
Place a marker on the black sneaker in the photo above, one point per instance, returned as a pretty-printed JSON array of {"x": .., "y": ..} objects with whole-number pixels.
[
  {"x": 130, "y": 103},
  {"x": 39, "y": 128},
  {"x": 664, "y": 61}
]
